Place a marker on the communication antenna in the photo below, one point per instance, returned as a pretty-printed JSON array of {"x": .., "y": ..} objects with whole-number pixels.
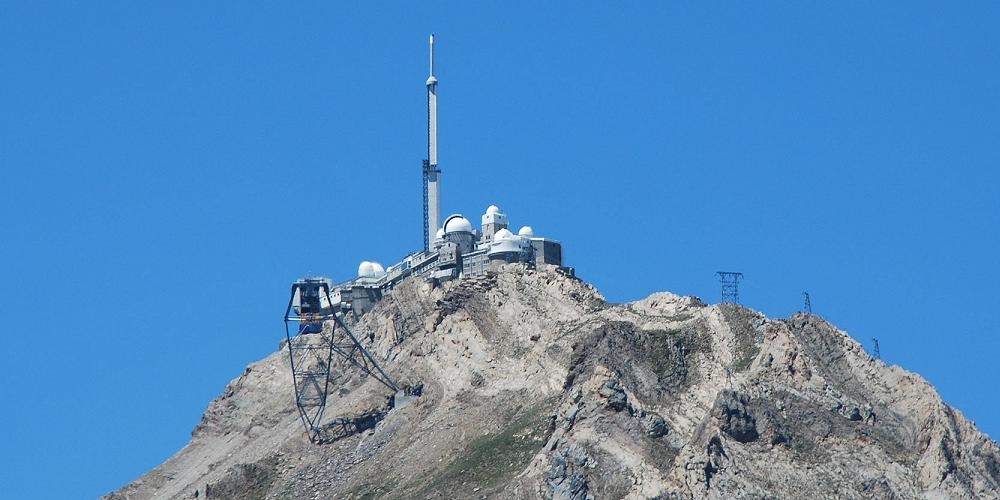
[
  {"x": 432, "y": 186},
  {"x": 730, "y": 286},
  {"x": 877, "y": 353},
  {"x": 809, "y": 304}
]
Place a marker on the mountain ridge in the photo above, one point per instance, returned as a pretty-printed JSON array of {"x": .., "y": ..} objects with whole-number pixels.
[{"x": 534, "y": 386}]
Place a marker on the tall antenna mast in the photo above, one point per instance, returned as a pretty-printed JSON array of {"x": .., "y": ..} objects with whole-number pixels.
[
  {"x": 432, "y": 176},
  {"x": 809, "y": 304}
]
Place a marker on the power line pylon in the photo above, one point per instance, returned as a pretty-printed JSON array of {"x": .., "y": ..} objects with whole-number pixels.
[{"x": 730, "y": 286}]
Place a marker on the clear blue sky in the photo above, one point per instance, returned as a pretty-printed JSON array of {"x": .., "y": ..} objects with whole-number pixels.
[{"x": 166, "y": 171}]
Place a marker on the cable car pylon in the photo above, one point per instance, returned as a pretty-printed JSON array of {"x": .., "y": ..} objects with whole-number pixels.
[{"x": 317, "y": 336}]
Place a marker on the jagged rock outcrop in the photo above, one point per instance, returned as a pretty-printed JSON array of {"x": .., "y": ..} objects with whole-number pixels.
[{"x": 535, "y": 387}]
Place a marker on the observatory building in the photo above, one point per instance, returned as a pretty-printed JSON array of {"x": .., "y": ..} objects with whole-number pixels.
[
  {"x": 459, "y": 250},
  {"x": 453, "y": 249}
]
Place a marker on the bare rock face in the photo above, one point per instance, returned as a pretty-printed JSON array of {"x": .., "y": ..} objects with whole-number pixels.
[{"x": 535, "y": 387}]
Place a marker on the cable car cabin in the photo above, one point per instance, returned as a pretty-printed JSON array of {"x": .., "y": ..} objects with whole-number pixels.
[{"x": 311, "y": 303}]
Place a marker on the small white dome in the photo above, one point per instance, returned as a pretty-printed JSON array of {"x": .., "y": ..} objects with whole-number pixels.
[
  {"x": 440, "y": 233},
  {"x": 493, "y": 215},
  {"x": 457, "y": 224},
  {"x": 365, "y": 270},
  {"x": 526, "y": 231},
  {"x": 370, "y": 270},
  {"x": 504, "y": 242}
]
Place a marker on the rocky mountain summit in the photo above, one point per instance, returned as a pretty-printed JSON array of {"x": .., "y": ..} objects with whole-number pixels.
[{"x": 535, "y": 387}]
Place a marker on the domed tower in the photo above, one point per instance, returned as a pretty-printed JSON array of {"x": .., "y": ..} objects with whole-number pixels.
[
  {"x": 507, "y": 247},
  {"x": 438, "y": 239},
  {"x": 493, "y": 221},
  {"x": 458, "y": 230},
  {"x": 457, "y": 240}
]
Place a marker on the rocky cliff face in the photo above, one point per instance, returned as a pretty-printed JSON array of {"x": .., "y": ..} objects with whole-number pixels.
[{"x": 535, "y": 387}]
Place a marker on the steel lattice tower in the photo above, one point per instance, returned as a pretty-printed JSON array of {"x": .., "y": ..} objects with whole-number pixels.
[
  {"x": 730, "y": 286},
  {"x": 316, "y": 337},
  {"x": 809, "y": 304}
]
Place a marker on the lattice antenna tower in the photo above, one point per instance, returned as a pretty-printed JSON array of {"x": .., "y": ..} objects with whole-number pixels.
[
  {"x": 875, "y": 351},
  {"x": 730, "y": 286},
  {"x": 809, "y": 304}
]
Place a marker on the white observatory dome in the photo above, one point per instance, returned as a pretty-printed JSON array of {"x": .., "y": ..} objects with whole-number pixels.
[
  {"x": 439, "y": 234},
  {"x": 457, "y": 224},
  {"x": 370, "y": 270},
  {"x": 365, "y": 270},
  {"x": 505, "y": 242},
  {"x": 493, "y": 215},
  {"x": 526, "y": 231}
]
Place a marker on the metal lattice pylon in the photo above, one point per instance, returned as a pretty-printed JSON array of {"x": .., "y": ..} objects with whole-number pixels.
[
  {"x": 730, "y": 286},
  {"x": 320, "y": 338}
]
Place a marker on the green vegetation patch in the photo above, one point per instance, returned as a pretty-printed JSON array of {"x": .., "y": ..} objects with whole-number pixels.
[
  {"x": 493, "y": 459},
  {"x": 247, "y": 481},
  {"x": 372, "y": 491},
  {"x": 745, "y": 357},
  {"x": 741, "y": 323},
  {"x": 668, "y": 353}
]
